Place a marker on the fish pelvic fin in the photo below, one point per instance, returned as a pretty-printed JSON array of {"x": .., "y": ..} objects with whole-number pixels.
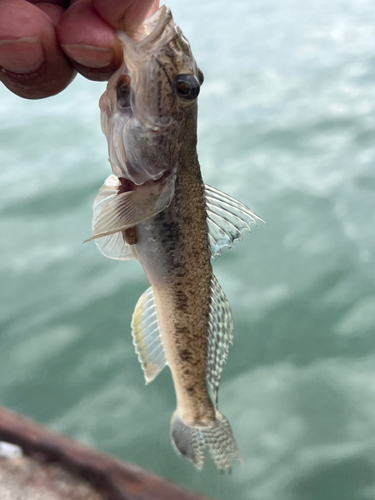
[
  {"x": 113, "y": 246},
  {"x": 115, "y": 212},
  {"x": 191, "y": 441}
]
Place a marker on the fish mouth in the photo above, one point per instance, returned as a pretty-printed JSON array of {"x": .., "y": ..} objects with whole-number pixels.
[
  {"x": 154, "y": 26},
  {"x": 150, "y": 31},
  {"x": 155, "y": 32}
]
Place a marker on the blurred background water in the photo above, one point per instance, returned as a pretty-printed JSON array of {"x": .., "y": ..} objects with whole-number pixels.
[{"x": 286, "y": 125}]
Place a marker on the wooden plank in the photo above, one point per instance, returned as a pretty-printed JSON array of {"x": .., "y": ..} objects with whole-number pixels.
[{"x": 108, "y": 476}]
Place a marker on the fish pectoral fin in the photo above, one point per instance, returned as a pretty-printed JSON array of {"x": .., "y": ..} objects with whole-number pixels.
[
  {"x": 128, "y": 209},
  {"x": 147, "y": 337},
  {"x": 220, "y": 336},
  {"x": 227, "y": 219}
]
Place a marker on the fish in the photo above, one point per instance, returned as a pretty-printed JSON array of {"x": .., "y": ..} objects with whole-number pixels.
[{"x": 155, "y": 208}]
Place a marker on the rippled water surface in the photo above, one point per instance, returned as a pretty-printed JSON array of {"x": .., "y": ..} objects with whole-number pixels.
[{"x": 287, "y": 125}]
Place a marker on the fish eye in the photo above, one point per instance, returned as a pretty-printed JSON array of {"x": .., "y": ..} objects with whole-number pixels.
[
  {"x": 187, "y": 86},
  {"x": 123, "y": 91}
]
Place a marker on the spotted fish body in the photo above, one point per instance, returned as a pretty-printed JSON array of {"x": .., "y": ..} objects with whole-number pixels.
[{"x": 156, "y": 208}]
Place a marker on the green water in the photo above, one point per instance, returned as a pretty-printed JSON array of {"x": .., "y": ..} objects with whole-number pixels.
[{"x": 287, "y": 125}]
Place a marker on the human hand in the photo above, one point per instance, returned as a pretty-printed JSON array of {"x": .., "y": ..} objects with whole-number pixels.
[{"x": 43, "y": 44}]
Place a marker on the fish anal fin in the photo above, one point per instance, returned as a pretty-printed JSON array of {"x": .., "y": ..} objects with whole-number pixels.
[
  {"x": 227, "y": 219},
  {"x": 147, "y": 337},
  {"x": 220, "y": 336}
]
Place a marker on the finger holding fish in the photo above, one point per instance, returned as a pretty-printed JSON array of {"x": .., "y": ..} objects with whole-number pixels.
[
  {"x": 86, "y": 33},
  {"x": 44, "y": 44}
]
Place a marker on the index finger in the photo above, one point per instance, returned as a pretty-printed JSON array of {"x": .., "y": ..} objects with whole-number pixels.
[
  {"x": 126, "y": 15},
  {"x": 86, "y": 33}
]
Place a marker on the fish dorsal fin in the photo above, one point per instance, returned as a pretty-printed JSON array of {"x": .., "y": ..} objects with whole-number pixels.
[
  {"x": 220, "y": 336},
  {"x": 146, "y": 336},
  {"x": 113, "y": 246},
  {"x": 130, "y": 208},
  {"x": 227, "y": 219}
]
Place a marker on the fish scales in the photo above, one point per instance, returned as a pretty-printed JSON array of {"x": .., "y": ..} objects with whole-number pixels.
[
  {"x": 181, "y": 280},
  {"x": 156, "y": 208}
]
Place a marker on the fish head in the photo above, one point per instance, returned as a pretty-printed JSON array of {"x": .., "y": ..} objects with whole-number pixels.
[{"x": 148, "y": 98}]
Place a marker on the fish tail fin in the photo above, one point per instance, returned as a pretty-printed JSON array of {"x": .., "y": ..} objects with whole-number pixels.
[{"x": 191, "y": 441}]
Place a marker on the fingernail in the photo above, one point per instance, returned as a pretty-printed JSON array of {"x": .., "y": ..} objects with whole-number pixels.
[
  {"x": 21, "y": 56},
  {"x": 92, "y": 57}
]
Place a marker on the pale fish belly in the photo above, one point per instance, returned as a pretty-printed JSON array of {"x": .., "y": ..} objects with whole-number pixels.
[
  {"x": 181, "y": 283},
  {"x": 183, "y": 296}
]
